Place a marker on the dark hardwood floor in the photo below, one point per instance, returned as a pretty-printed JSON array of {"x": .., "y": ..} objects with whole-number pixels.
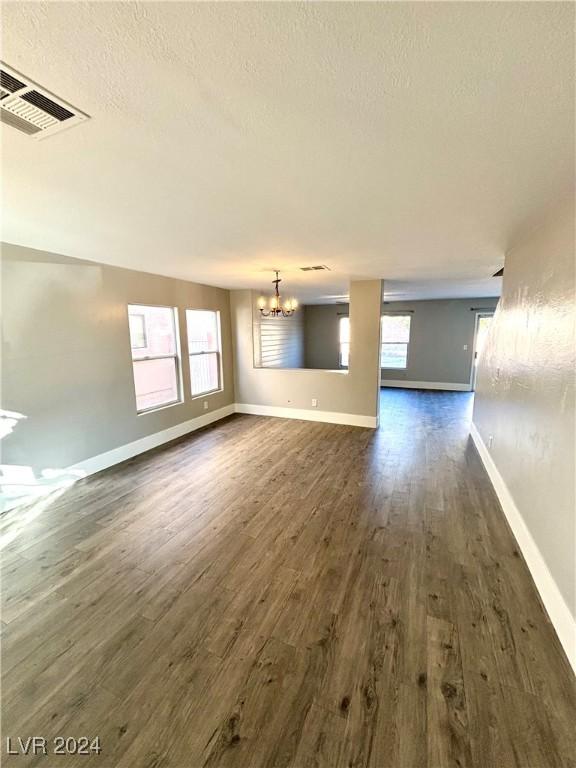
[{"x": 284, "y": 593}]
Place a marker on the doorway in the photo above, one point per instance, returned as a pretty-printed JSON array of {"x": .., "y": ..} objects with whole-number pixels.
[{"x": 483, "y": 320}]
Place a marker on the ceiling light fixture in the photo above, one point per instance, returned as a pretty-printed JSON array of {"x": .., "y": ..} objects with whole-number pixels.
[{"x": 276, "y": 308}]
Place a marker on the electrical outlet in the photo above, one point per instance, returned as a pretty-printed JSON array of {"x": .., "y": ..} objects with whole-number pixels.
[
  {"x": 205, "y": 405},
  {"x": 490, "y": 441},
  {"x": 314, "y": 403},
  {"x": 465, "y": 347}
]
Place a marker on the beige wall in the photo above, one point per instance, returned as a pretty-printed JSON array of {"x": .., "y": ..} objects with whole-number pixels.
[
  {"x": 66, "y": 362},
  {"x": 355, "y": 392},
  {"x": 525, "y": 392}
]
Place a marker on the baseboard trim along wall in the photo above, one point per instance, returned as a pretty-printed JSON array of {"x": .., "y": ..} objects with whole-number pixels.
[
  {"x": 559, "y": 613},
  {"x": 94, "y": 464},
  {"x": 306, "y": 414},
  {"x": 128, "y": 451},
  {"x": 446, "y": 385},
  {"x": 124, "y": 452}
]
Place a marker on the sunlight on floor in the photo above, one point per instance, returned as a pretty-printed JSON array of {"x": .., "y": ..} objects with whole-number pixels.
[{"x": 22, "y": 487}]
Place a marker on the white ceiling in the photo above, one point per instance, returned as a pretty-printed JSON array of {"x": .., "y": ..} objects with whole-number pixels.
[{"x": 408, "y": 141}]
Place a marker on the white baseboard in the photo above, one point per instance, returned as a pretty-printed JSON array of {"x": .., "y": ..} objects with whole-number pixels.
[
  {"x": 558, "y": 611},
  {"x": 44, "y": 486},
  {"x": 306, "y": 414},
  {"x": 128, "y": 451},
  {"x": 39, "y": 488},
  {"x": 451, "y": 386}
]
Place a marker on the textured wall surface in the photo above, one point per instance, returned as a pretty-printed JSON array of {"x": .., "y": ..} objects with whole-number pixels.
[
  {"x": 353, "y": 392},
  {"x": 525, "y": 391},
  {"x": 66, "y": 359}
]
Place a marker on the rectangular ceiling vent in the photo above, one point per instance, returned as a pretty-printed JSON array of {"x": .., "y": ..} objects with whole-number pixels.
[
  {"x": 31, "y": 109},
  {"x": 315, "y": 269}
]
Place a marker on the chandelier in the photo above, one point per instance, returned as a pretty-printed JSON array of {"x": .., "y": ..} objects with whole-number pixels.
[{"x": 276, "y": 308}]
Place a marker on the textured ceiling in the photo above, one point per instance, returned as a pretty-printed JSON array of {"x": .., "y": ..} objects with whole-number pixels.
[{"x": 408, "y": 141}]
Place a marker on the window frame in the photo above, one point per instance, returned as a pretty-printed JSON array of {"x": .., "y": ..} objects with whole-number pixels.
[
  {"x": 217, "y": 352},
  {"x": 406, "y": 343},
  {"x": 341, "y": 343},
  {"x": 142, "y": 317},
  {"x": 176, "y": 356}
]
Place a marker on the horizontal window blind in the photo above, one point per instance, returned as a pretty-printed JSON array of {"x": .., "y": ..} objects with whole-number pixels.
[{"x": 282, "y": 342}]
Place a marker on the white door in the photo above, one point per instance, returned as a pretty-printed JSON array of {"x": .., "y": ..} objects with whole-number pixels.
[{"x": 482, "y": 325}]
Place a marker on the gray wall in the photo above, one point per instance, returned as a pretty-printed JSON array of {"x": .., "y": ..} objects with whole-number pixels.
[
  {"x": 439, "y": 330},
  {"x": 353, "y": 392},
  {"x": 525, "y": 392},
  {"x": 66, "y": 362},
  {"x": 321, "y": 335}
]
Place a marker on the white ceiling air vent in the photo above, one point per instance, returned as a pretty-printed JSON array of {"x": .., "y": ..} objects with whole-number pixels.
[
  {"x": 26, "y": 106},
  {"x": 315, "y": 269}
]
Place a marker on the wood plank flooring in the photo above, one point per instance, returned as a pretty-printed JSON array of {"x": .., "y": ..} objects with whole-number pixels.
[{"x": 285, "y": 594}]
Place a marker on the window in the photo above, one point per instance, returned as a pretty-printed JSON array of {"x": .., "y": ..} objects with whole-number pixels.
[
  {"x": 344, "y": 357},
  {"x": 395, "y": 335},
  {"x": 154, "y": 356},
  {"x": 204, "y": 350}
]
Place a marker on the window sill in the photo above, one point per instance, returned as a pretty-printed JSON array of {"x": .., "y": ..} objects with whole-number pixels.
[
  {"x": 340, "y": 371},
  {"x": 159, "y": 407},
  {"x": 207, "y": 394}
]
